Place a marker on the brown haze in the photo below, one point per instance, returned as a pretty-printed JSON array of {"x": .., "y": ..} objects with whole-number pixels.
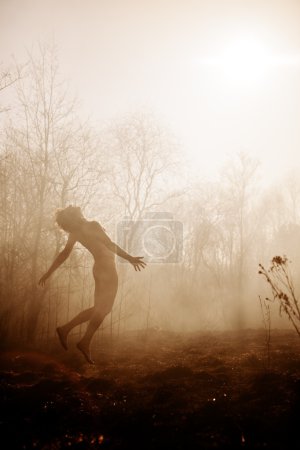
[{"x": 175, "y": 125}]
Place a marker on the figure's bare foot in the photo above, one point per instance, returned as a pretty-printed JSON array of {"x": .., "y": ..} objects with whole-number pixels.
[
  {"x": 85, "y": 350},
  {"x": 62, "y": 337}
]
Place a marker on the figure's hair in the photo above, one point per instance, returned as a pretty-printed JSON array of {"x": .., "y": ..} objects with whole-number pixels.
[{"x": 67, "y": 218}]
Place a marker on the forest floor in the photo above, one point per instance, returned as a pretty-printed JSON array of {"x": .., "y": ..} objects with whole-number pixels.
[{"x": 162, "y": 390}]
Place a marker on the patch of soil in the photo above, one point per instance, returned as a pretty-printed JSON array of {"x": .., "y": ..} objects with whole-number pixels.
[{"x": 164, "y": 390}]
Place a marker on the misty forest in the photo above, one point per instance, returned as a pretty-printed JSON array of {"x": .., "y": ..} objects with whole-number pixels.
[
  {"x": 204, "y": 277},
  {"x": 201, "y": 346}
]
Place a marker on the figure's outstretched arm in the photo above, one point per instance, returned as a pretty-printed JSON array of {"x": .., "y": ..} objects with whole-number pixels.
[
  {"x": 61, "y": 257},
  {"x": 136, "y": 261}
]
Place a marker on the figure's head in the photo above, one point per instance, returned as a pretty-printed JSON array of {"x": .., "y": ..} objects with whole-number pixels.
[{"x": 69, "y": 218}]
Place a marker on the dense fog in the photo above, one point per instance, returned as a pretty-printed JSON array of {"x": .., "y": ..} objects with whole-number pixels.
[
  {"x": 149, "y": 224},
  {"x": 203, "y": 237}
]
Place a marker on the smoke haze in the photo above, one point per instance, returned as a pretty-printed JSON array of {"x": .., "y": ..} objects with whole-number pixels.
[{"x": 171, "y": 117}]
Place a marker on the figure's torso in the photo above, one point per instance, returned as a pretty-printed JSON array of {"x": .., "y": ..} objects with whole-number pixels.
[{"x": 92, "y": 236}]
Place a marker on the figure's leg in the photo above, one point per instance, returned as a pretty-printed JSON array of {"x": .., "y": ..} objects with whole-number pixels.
[
  {"x": 94, "y": 323},
  {"x": 106, "y": 286},
  {"x": 64, "y": 330},
  {"x": 104, "y": 299}
]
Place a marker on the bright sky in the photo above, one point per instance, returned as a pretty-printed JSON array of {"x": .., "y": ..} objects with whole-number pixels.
[{"x": 223, "y": 75}]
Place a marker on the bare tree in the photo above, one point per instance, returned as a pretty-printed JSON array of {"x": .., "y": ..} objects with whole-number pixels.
[
  {"x": 53, "y": 163},
  {"x": 142, "y": 157},
  {"x": 142, "y": 162},
  {"x": 239, "y": 182}
]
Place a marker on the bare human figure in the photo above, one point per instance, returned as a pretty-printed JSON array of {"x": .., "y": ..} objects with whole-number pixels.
[{"x": 93, "y": 237}]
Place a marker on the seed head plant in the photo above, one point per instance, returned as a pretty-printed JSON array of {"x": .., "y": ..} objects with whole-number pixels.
[{"x": 279, "y": 278}]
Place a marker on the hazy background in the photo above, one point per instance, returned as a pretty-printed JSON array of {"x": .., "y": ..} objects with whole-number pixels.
[
  {"x": 119, "y": 56},
  {"x": 186, "y": 107}
]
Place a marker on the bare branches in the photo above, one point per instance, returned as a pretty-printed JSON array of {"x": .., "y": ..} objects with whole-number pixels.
[
  {"x": 142, "y": 160},
  {"x": 8, "y": 77},
  {"x": 50, "y": 160}
]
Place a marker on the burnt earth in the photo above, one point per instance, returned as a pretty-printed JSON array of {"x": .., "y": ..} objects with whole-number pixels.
[{"x": 157, "y": 390}]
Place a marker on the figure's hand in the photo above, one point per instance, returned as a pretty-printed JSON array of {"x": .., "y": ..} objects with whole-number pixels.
[
  {"x": 43, "y": 280},
  {"x": 137, "y": 263}
]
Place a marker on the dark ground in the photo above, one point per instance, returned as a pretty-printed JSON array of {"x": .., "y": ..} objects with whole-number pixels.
[{"x": 163, "y": 391}]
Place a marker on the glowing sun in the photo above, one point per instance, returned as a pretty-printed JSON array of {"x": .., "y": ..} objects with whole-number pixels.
[{"x": 245, "y": 60}]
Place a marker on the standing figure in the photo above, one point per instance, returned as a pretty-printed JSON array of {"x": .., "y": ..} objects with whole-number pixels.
[{"x": 93, "y": 237}]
